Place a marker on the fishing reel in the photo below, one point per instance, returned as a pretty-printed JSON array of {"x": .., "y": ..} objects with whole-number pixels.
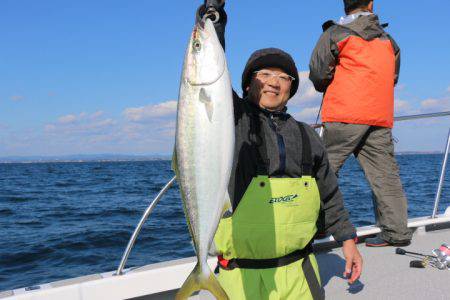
[{"x": 440, "y": 258}]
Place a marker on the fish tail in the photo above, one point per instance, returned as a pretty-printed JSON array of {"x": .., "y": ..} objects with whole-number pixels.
[{"x": 198, "y": 281}]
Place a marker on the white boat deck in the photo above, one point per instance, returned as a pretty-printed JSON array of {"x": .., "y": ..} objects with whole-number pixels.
[{"x": 386, "y": 275}]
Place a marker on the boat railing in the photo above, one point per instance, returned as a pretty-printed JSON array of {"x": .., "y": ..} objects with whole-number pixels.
[
  {"x": 441, "y": 178},
  {"x": 138, "y": 228},
  {"x": 155, "y": 201}
]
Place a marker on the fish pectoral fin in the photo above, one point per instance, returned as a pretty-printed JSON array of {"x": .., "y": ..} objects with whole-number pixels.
[
  {"x": 174, "y": 161},
  {"x": 227, "y": 207},
  {"x": 198, "y": 281},
  {"x": 206, "y": 99}
]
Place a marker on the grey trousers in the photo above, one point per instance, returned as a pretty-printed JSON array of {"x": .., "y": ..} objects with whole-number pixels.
[{"x": 373, "y": 147}]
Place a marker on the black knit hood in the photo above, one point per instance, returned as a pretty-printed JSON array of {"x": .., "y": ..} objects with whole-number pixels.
[{"x": 270, "y": 57}]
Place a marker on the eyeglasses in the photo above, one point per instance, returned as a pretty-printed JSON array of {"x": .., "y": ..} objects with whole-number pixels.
[{"x": 266, "y": 75}]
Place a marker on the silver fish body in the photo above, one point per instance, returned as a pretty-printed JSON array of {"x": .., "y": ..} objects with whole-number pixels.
[{"x": 204, "y": 148}]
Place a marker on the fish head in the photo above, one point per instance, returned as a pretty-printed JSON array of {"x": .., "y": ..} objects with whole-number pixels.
[{"x": 205, "y": 58}]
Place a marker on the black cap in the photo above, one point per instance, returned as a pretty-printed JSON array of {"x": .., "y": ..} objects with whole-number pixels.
[{"x": 270, "y": 57}]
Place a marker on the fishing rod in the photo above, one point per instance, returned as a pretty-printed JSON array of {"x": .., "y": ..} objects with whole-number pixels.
[
  {"x": 440, "y": 259},
  {"x": 320, "y": 109},
  {"x": 401, "y": 251},
  {"x": 325, "y": 27},
  {"x": 419, "y": 264}
]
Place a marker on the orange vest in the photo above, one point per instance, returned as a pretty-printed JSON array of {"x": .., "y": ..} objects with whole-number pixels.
[{"x": 362, "y": 90}]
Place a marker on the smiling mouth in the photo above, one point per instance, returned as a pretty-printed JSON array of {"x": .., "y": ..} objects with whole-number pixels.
[{"x": 271, "y": 92}]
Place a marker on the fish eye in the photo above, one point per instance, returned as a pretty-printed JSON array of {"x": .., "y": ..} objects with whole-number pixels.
[{"x": 197, "y": 46}]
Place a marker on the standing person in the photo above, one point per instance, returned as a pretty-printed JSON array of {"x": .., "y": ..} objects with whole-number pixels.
[
  {"x": 356, "y": 65},
  {"x": 279, "y": 183}
]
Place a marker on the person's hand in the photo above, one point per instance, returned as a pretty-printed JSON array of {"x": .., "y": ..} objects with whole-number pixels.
[
  {"x": 214, "y": 3},
  {"x": 213, "y": 10},
  {"x": 353, "y": 261}
]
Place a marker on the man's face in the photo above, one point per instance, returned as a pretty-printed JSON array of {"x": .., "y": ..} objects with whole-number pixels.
[{"x": 270, "y": 88}]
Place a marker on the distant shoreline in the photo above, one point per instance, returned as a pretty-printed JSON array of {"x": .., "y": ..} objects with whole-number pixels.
[
  {"x": 127, "y": 158},
  {"x": 76, "y": 161}
]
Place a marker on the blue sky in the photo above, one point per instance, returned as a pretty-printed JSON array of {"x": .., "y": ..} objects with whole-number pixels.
[{"x": 86, "y": 77}]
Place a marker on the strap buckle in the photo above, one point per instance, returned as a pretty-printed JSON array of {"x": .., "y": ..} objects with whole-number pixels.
[{"x": 225, "y": 263}]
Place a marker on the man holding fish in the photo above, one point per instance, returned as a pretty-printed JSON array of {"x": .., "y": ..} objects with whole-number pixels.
[{"x": 274, "y": 168}]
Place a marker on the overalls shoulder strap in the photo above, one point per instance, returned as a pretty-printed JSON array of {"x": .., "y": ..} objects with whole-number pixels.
[
  {"x": 307, "y": 162},
  {"x": 258, "y": 144}
]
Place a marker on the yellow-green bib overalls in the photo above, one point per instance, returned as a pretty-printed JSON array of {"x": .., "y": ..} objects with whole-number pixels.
[{"x": 275, "y": 217}]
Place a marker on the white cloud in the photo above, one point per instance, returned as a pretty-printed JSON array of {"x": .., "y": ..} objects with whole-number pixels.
[
  {"x": 133, "y": 131},
  {"x": 96, "y": 115},
  {"x": 150, "y": 112},
  {"x": 83, "y": 124},
  {"x": 167, "y": 129},
  {"x": 401, "y": 106},
  {"x": 306, "y": 101},
  {"x": 163, "y": 130},
  {"x": 96, "y": 133},
  {"x": 308, "y": 115},
  {"x": 448, "y": 89},
  {"x": 72, "y": 118},
  {"x": 102, "y": 123},
  {"x": 435, "y": 105},
  {"x": 67, "y": 119},
  {"x": 49, "y": 127},
  {"x": 429, "y": 103},
  {"x": 400, "y": 87},
  {"x": 17, "y": 98},
  {"x": 306, "y": 92}
]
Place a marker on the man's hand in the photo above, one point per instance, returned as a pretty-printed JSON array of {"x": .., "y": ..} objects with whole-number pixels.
[
  {"x": 353, "y": 261},
  {"x": 214, "y": 3},
  {"x": 214, "y": 10}
]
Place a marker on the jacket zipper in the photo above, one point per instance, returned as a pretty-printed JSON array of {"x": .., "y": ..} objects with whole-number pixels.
[{"x": 281, "y": 146}]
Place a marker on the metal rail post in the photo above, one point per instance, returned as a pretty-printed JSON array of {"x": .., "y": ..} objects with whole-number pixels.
[
  {"x": 441, "y": 179},
  {"x": 138, "y": 228},
  {"x": 321, "y": 131}
]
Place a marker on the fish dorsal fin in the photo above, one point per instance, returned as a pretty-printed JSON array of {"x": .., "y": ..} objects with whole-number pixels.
[{"x": 206, "y": 99}]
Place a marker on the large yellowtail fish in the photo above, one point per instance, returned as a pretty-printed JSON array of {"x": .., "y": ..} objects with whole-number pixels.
[{"x": 204, "y": 148}]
